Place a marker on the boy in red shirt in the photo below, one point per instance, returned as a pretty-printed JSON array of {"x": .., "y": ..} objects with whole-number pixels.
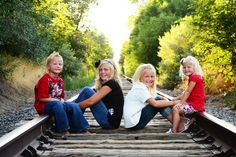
[{"x": 49, "y": 99}]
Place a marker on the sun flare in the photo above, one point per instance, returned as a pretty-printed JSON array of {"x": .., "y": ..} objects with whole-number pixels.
[{"x": 111, "y": 18}]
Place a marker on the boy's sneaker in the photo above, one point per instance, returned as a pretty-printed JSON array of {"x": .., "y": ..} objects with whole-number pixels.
[{"x": 169, "y": 131}]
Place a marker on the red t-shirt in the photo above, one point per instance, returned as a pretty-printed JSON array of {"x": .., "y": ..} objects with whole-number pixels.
[
  {"x": 47, "y": 87},
  {"x": 197, "y": 96}
]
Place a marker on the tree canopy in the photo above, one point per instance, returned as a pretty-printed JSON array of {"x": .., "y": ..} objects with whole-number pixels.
[
  {"x": 153, "y": 20},
  {"x": 34, "y": 29},
  {"x": 164, "y": 31}
]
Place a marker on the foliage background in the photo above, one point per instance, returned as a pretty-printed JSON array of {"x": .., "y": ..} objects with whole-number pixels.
[
  {"x": 164, "y": 31},
  {"x": 34, "y": 29}
]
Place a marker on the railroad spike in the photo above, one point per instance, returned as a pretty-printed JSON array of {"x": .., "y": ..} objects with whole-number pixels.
[
  {"x": 49, "y": 134},
  {"x": 45, "y": 139},
  {"x": 42, "y": 147},
  {"x": 199, "y": 134},
  {"x": 207, "y": 140}
]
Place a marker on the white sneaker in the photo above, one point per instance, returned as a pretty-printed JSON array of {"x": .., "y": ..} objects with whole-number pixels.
[
  {"x": 189, "y": 122},
  {"x": 185, "y": 123},
  {"x": 169, "y": 131}
]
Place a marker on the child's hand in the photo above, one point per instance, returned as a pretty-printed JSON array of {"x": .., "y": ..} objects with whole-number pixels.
[
  {"x": 164, "y": 98},
  {"x": 179, "y": 106},
  {"x": 175, "y": 98},
  {"x": 176, "y": 102}
]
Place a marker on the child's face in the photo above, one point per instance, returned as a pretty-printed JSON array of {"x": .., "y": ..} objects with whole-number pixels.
[
  {"x": 105, "y": 72},
  {"x": 148, "y": 78},
  {"x": 56, "y": 65},
  {"x": 188, "y": 68}
]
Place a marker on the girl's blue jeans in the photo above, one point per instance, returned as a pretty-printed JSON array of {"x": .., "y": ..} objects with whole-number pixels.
[
  {"x": 68, "y": 115},
  {"x": 99, "y": 110},
  {"x": 147, "y": 114}
]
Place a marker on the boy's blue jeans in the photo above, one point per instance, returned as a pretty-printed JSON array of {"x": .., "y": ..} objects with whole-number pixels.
[
  {"x": 147, "y": 114},
  {"x": 99, "y": 110},
  {"x": 68, "y": 115}
]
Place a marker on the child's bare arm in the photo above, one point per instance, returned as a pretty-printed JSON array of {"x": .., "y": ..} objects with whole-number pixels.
[
  {"x": 188, "y": 91},
  {"x": 161, "y": 103},
  {"x": 177, "y": 98},
  {"x": 49, "y": 99}
]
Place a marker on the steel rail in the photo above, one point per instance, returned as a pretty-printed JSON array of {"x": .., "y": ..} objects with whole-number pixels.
[
  {"x": 223, "y": 132},
  {"x": 17, "y": 140},
  {"x": 14, "y": 142}
]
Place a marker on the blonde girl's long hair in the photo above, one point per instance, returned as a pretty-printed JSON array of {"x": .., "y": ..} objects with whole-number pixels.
[
  {"x": 115, "y": 75},
  {"x": 140, "y": 71},
  {"x": 196, "y": 66}
]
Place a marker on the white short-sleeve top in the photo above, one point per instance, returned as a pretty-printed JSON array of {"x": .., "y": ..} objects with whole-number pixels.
[{"x": 135, "y": 101}]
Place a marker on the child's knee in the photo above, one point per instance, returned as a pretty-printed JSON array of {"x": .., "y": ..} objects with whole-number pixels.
[
  {"x": 58, "y": 105},
  {"x": 88, "y": 90},
  {"x": 177, "y": 110}
]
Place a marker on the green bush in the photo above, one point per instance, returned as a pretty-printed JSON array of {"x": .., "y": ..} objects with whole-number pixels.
[
  {"x": 77, "y": 82},
  {"x": 6, "y": 69}
]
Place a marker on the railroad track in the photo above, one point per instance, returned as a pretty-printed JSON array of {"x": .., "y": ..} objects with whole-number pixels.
[{"x": 210, "y": 136}]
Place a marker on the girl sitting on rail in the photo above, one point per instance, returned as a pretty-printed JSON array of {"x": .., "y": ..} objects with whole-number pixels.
[
  {"x": 141, "y": 103},
  {"x": 106, "y": 100},
  {"x": 193, "y": 98}
]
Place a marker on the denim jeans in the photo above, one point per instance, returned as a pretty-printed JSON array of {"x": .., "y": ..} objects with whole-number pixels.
[
  {"x": 68, "y": 115},
  {"x": 147, "y": 114},
  {"x": 99, "y": 110}
]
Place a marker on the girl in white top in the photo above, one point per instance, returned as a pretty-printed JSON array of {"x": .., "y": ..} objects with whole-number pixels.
[{"x": 141, "y": 103}]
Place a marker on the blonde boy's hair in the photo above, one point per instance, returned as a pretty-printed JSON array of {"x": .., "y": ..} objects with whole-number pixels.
[
  {"x": 140, "y": 71},
  {"x": 51, "y": 56},
  {"x": 112, "y": 66},
  {"x": 196, "y": 66}
]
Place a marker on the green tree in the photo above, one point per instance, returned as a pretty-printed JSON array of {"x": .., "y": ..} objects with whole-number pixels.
[
  {"x": 130, "y": 62},
  {"x": 91, "y": 46},
  {"x": 71, "y": 65},
  {"x": 217, "y": 19},
  {"x": 34, "y": 29},
  {"x": 59, "y": 23},
  {"x": 186, "y": 39},
  {"x": 174, "y": 45},
  {"x": 19, "y": 34},
  {"x": 79, "y": 8},
  {"x": 154, "y": 19},
  {"x": 216, "y": 40},
  {"x": 98, "y": 48}
]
